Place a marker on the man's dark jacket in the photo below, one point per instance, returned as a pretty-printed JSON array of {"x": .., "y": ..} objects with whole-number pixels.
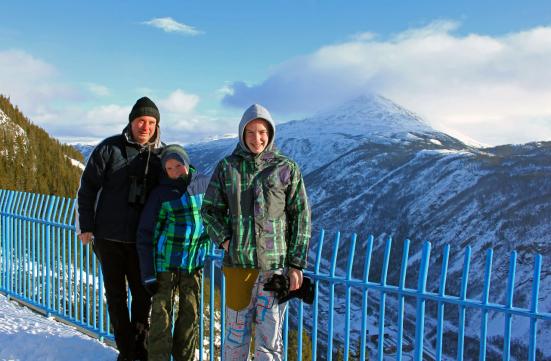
[{"x": 103, "y": 206}]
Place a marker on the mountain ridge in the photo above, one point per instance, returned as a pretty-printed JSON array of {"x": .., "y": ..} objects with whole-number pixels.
[{"x": 31, "y": 160}]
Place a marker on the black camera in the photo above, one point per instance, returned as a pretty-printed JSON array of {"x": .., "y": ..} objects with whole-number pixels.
[
  {"x": 279, "y": 284},
  {"x": 138, "y": 190}
]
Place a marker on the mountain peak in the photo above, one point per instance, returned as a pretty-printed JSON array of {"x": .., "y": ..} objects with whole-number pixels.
[{"x": 369, "y": 115}]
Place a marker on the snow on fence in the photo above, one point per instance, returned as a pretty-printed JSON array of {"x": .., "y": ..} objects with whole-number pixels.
[{"x": 43, "y": 265}]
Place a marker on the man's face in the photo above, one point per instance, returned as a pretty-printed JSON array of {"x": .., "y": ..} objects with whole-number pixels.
[
  {"x": 257, "y": 135},
  {"x": 143, "y": 128},
  {"x": 175, "y": 169}
]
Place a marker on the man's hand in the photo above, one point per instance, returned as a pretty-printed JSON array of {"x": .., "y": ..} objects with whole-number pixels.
[
  {"x": 86, "y": 237},
  {"x": 226, "y": 245},
  {"x": 295, "y": 278}
]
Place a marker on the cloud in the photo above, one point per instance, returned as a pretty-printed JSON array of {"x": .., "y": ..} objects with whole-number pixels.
[
  {"x": 492, "y": 88},
  {"x": 180, "y": 121},
  {"x": 170, "y": 25},
  {"x": 98, "y": 90},
  {"x": 41, "y": 93},
  {"x": 180, "y": 102},
  {"x": 31, "y": 82}
]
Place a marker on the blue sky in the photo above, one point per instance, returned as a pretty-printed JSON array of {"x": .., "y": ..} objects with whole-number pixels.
[{"x": 477, "y": 69}]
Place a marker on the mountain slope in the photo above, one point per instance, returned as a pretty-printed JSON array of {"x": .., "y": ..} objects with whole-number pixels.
[{"x": 31, "y": 160}]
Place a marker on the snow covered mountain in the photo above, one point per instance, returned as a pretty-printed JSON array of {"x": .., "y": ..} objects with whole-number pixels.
[
  {"x": 372, "y": 167},
  {"x": 84, "y": 149}
]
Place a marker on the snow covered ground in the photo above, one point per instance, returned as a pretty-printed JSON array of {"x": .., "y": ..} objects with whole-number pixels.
[{"x": 26, "y": 335}]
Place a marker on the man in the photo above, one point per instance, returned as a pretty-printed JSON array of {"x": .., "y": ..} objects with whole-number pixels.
[
  {"x": 121, "y": 171},
  {"x": 256, "y": 209}
]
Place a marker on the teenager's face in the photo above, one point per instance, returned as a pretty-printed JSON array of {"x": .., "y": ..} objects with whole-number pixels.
[
  {"x": 257, "y": 135},
  {"x": 143, "y": 128},
  {"x": 175, "y": 169}
]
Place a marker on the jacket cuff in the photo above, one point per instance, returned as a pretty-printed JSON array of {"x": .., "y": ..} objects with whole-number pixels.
[
  {"x": 150, "y": 280},
  {"x": 300, "y": 268}
]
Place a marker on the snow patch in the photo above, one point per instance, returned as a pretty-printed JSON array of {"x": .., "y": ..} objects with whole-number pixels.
[
  {"x": 26, "y": 335},
  {"x": 75, "y": 162}
]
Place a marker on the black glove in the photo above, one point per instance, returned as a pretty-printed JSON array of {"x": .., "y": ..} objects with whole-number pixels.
[
  {"x": 279, "y": 284},
  {"x": 151, "y": 287},
  {"x": 305, "y": 292}
]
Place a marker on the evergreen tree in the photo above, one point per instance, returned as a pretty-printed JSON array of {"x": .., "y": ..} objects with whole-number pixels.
[{"x": 31, "y": 160}]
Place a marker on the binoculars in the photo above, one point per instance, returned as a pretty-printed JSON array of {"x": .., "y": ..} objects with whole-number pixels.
[
  {"x": 138, "y": 190},
  {"x": 279, "y": 284}
]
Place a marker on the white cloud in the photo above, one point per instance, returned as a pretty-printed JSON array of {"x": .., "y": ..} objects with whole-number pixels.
[
  {"x": 492, "y": 88},
  {"x": 170, "y": 25},
  {"x": 180, "y": 102},
  {"x": 39, "y": 90},
  {"x": 98, "y": 90},
  {"x": 31, "y": 82}
]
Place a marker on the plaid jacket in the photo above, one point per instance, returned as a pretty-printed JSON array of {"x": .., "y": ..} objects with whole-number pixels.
[
  {"x": 171, "y": 235},
  {"x": 260, "y": 205}
]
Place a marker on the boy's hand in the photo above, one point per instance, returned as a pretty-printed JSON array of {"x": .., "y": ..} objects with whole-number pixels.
[
  {"x": 295, "y": 278},
  {"x": 86, "y": 237}
]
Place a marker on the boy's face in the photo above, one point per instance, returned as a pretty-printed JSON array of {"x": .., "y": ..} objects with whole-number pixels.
[
  {"x": 257, "y": 135},
  {"x": 175, "y": 169}
]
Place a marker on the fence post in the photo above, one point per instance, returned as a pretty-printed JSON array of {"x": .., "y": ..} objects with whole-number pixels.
[
  {"x": 401, "y": 302},
  {"x": 316, "y": 297},
  {"x": 332, "y": 297},
  {"x": 9, "y": 242},
  {"x": 52, "y": 202},
  {"x": 485, "y": 299},
  {"x": 421, "y": 288},
  {"x": 463, "y": 297},
  {"x": 509, "y": 306},
  {"x": 365, "y": 295},
  {"x": 382, "y": 301},
  {"x": 534, "y": 308},
  {"x": 349, "y": 265}
]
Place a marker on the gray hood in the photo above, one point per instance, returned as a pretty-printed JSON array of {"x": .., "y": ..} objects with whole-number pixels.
[{"x": 255, "y": 111}]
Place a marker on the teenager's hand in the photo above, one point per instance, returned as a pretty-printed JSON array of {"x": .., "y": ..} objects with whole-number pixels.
[
  {"x": 295, "y": 278},
  {"x": 86, "y": 237}
]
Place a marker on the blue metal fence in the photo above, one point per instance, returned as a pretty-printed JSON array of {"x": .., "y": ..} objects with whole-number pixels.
[{"x": 43, "y": 264}]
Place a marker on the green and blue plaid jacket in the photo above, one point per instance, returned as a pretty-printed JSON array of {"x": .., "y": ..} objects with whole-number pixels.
[
  {"x": 171, "y": 235},
  {"x": 259, "y": 203}
]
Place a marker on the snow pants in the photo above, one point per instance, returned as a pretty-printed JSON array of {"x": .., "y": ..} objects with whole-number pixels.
[
  {"x": 267, "y": 315},
  {"x": 183, "y": 344}
]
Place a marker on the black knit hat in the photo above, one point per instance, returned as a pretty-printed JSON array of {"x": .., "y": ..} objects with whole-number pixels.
[{"x": 144, "y": 106}]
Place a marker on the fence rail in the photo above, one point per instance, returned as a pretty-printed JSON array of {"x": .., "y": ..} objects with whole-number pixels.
[{"x": 43, "y": 264}]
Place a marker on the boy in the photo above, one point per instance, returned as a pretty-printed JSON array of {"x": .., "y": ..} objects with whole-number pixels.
[
  {"x": 172, "y": 246},
  {"x": 256, "y": 208}
]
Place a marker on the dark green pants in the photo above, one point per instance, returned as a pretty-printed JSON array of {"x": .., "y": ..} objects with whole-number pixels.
[{"x": 172, "y": 286}]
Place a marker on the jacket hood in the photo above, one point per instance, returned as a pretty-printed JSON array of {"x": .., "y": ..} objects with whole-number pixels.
[{"x": 255, "y": 111}]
